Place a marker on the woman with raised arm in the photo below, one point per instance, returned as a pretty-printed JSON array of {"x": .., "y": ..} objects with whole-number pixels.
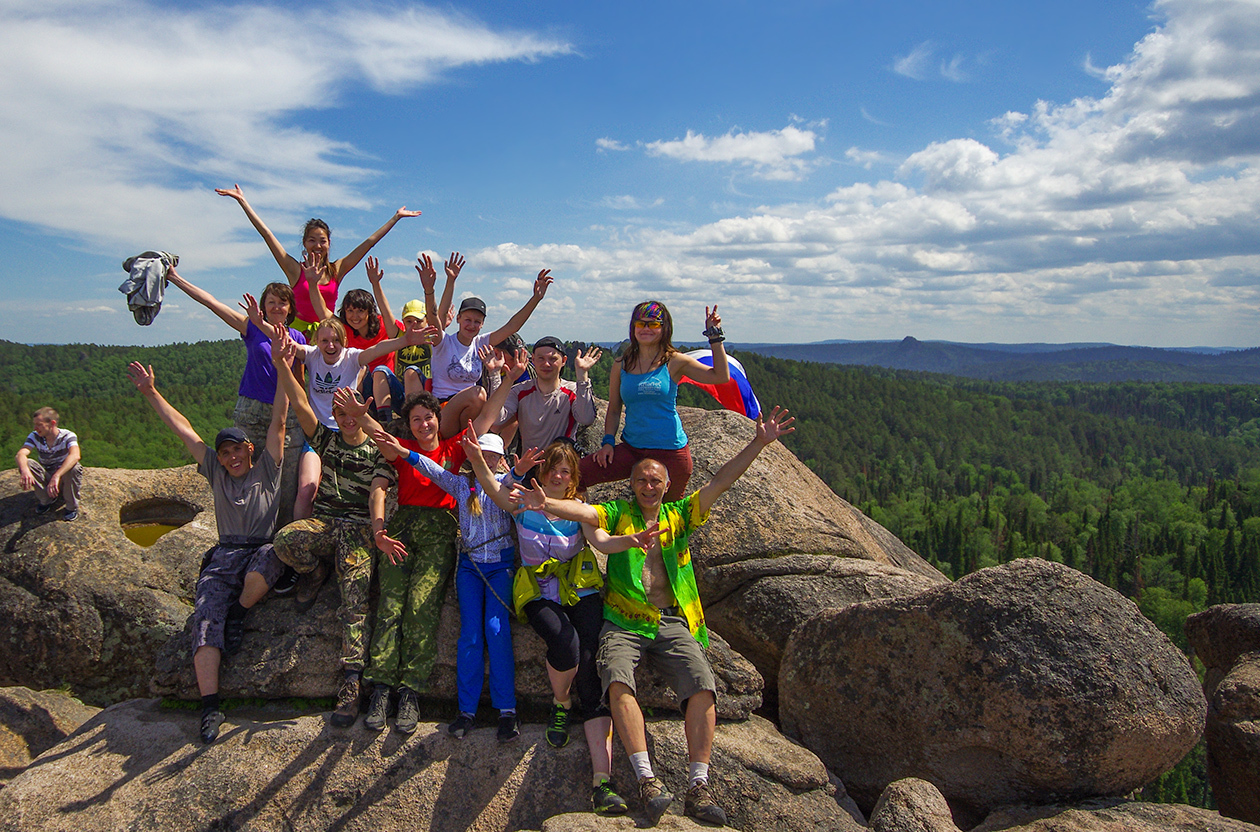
[
  {"x": 557, "y": 590},
  {"x": 315, "y": 272},
  {"x": 645, "y": 381},
  {"x": 257, "y": 325}
]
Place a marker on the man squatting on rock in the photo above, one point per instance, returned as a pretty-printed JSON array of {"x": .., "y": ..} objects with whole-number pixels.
[
  {"x": 652, "y": 608},
  {"x": 350, "y": 500},
  {"x": 236, "y": 573},
  {"x": 57, "y": 470}
]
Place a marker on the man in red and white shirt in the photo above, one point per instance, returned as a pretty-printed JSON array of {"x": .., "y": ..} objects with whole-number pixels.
[{"x": 547, "y": 407}]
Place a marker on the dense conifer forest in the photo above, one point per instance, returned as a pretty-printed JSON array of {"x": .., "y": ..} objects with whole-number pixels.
[{"x": 1151, "y": 488}]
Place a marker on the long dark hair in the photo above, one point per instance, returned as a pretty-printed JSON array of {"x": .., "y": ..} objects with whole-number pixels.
[
  {"x": 652, "y": 309},
  {"x": 361, "y": 299}
]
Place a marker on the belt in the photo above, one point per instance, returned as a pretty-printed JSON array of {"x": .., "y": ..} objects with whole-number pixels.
[{"x": 670, "y": 611}]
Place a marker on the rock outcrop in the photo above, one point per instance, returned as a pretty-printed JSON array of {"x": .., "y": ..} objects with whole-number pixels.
[
  {"x": 1028, "y": 682},
  {"x": 31, "y": 722},
  {"x": 136, "y": 765},
  {"x": 1226, "y": 639},
  {"x": 85, "y": 607},
  {"x": 1111, "y": 816},
  {"x": 756, "y": 604},
  {"x": 912, "y": 805}
]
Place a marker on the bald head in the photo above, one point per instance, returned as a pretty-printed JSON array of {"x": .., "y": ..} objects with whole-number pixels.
[{"x": 649, "y": 480}]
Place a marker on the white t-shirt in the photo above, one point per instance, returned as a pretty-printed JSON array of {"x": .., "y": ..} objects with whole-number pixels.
[
  {"x": 324, "y": 379},
  {"x": 456, "y": 367}
]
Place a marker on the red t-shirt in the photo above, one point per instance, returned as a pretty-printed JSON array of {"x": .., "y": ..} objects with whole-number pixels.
[
  {"x": 354, "y": 339},
  {"x": 414, "y": 488}
]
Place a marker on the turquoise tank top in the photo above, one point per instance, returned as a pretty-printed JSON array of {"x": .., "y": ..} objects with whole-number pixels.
[{"x": 651, "y": 402}]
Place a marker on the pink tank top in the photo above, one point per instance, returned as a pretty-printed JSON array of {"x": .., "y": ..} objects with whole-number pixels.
[{"x": 302, "y": 298}]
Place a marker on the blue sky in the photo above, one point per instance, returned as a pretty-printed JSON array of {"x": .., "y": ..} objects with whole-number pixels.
[{"x": 971, "y": 171}]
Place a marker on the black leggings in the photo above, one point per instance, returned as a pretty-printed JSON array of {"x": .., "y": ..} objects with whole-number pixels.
[{"x": 572, "y": 638}]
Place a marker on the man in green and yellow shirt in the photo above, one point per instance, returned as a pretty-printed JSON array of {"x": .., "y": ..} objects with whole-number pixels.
[{"x": 652, "y": 608}]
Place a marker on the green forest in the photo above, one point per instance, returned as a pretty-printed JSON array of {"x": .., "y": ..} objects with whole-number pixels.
[{"x": 1151, "y": 488}]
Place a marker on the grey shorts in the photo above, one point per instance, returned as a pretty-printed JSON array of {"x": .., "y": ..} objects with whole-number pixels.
[
  {"x": 674, "y": 653},
  {"x": 221, "y": 583}
]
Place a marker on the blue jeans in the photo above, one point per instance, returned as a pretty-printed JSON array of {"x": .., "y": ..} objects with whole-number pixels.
[{"x": 484, "y": 625}]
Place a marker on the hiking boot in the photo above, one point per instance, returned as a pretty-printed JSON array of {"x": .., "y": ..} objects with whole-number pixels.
[
  {"x": 348, "y": 700},
  {"x": 233, "y": 634},
  {"x": 378, "y": 708},
  {"x": 509, "y": 728},
  {"x": 210, "y": 722},
  {"x": 558, "y": 730},
  {"x": 70, "y": 516},
  {"x": 701, "y": 805},
  {"x": 606, "y": 801},
  {"x": 461, "y": 726},
  {"x": 654, "y": 798},
  {"x": 408, "y": 711},
  {"x": 308, "y": 585},
  {"x": 287, "y": 581}
]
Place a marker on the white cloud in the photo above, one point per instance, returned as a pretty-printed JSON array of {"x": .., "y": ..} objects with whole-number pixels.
[
  {"x": 626, "y": 202},
  {"x": 915, "y": 65},
  {"x": 772, "y": 155},
  {"x": 607, "y": 144},
  {"x": 866, "y": 158},
  {"x": 118, "y": 111},
  {"x": 1129, "y": 217}
]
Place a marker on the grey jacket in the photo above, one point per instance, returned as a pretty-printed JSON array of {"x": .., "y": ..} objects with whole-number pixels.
[{"x": 146, "y": 283}]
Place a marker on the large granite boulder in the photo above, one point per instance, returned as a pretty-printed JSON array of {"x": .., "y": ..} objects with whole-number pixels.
[
  {"x": 1226, "y": 638},
  {"x": 31, "y": 722},
  {"x": 756, "y": 604},
  {"x": 912, "y": 805},
  {"x": 1110, "y": 816},
  {"x": 1023, "y": 683},
  {"x": 290, "y": 655},
  {"x": 84, "y": 607},
  {"x": 136, "y": 765}
]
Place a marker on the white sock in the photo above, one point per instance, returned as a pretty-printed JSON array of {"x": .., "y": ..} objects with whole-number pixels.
[
  {"x": 699, "y": 773},
  {"x": 641, "y": 764}
]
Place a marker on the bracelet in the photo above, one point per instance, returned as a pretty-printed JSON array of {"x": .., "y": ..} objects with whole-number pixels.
[
  {"x": 719, "y": 339},
  {"x": 714, "y": 334},
  {"x": 609, "y": 439}
]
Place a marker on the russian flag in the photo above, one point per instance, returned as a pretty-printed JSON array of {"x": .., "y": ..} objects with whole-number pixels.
[{"x": 736, "y": 394}]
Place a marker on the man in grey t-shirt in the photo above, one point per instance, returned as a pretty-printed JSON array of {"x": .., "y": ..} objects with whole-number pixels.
[{"x": 236, "y": 573}]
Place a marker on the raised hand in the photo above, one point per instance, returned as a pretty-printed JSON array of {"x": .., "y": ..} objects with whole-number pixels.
[
  {"x": 374, "y": 272},
  {"x": 314, "y": 262},
  {"x": 712, "y": 318},
  {"x": 514, "y": 363},
  {"x": 252, "y": 310},
  {"x": 531, "y": 498},
  {"x": 492, "y": 359},
  {"x": 468, "y": 440},
  {"x": 454, "y": 265},
  {"x": 584, "y": 363},
  {"x": 235, "y": 192},
  {"x": 387, "y": 441},
  {"x": 775, "y": 425},
  {"x": 346, "y": 399},
  {"x": 283, "y": 348},
  {"x": 403, "y": 213},
  {"x": 417, "y": 337},
  {"x": 527, "y": 461},
  {"x": 543, "y": 280},
  {"x": 646, "y": 538},
  {"x": 142, "y": 378},
  {"x": 428, "y": 274}
]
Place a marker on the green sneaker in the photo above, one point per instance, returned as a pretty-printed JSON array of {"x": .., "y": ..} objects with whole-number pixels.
[
  {"x": 558, "y": 730},
  {"x": 606, "y": 801}
]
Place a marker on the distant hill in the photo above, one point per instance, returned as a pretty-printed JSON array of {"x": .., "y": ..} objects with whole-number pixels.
[{"x": 1033, "y": 362}]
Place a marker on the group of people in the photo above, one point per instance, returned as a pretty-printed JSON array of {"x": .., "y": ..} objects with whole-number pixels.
[{"x": 301, "y": 481}]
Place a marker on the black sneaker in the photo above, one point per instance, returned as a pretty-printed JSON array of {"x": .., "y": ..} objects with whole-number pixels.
[
  {"x": 509, "y": 729},
  {"x": 210, "y": 722},
  {"x": 288, "y": 580},
  {"x": 558, "y": 730},
  {"x": 233, "y": 634},
  {"x": 378, "y": 708},
  {"x": 71, "y": 516},
  {"x": 606, "y": 801},
  {"x": 408, "y": 711},
  {"x": 349, "y": 698},
  {"x": 309, "y": 585},
  {"x": 461, "y": 726},
  {"x": 654, "y": 798},
  {"x": 43, "y": 508},
  {"x": 700, "y": 805}
]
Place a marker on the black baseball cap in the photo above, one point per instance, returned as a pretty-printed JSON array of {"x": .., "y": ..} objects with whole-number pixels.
[
  {"x": 550, "y": 341},
  {"x": 475, "y": 304},
  {"x": 229, "y": 435}
]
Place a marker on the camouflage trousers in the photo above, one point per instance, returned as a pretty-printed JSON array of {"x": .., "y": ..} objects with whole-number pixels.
[
  {"x": 348, "y": 545},
  {"x": 404, "y": 639}
]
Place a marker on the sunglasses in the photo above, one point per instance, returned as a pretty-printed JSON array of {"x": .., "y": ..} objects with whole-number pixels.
[{"x": 647, "y": 324}]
